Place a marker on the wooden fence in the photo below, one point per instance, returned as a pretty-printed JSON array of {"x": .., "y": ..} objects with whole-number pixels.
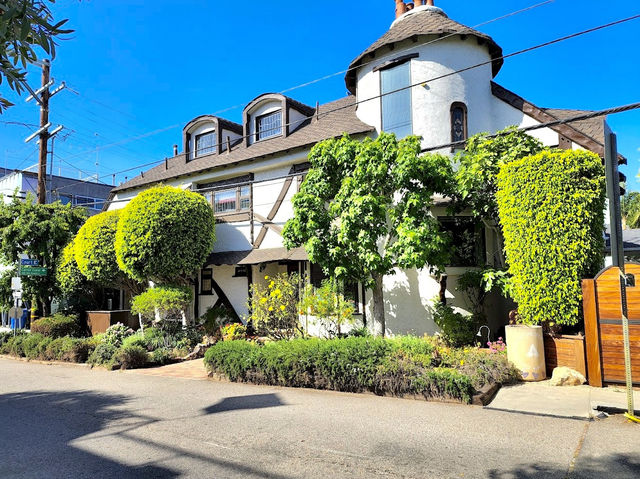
[{"x": 603, "y": 326}]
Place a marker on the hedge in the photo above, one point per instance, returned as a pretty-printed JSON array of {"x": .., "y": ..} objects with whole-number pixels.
[
  {"x": 551, "y": 209},
  {"x": 95, "y": 252},
  {"x": 164, "y": 233},
  {"x": 399, "y": 366},
  {"x": 56, "y": 326}
]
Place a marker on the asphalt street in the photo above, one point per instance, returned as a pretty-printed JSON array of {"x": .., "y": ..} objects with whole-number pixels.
[{"x": 59, "y": 421}]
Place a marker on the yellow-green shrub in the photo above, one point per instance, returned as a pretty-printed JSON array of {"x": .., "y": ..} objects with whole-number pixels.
[{"x": 551, "y": 209}]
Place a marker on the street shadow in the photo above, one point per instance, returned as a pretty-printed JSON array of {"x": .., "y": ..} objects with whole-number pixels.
[
  {"x": 40, "y": 433},
  {"x": 615, "y": 465},
  {"x": 38, "y": 427},
  {"x": 237, "y": 403}
]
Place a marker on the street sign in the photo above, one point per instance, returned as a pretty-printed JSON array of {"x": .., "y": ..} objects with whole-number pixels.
[
  {"x": 33, "y": 271},
  {"x": 29, "y": 262}
]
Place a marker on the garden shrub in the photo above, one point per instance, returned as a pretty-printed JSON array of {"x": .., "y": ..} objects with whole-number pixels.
[
  {"x": 132, "y": 357},
  {"x": 350, "y": 364},
  {"x": 481, "y": 367},
  {"x": 164, "y": 233},
  {"x": 56, "y": 326},
  {"x": 551, "y": 209},
  {"x": 328, "y": 307},
  {"x": 103, "y": 355},
  {"x": 30, "y": 345},
  {"x": 116, "y": 334},
  {"x": 233, "y": 331},
  {"x": 169, "y": 302},
  {"x": 160, "y": 356},
  {"x": 41, "y": 349},
  {"x": 135, "y": 340},
  {"x": 231, "y": 358},
  {"x": 4, "y": 337},
  {"x": 94, "y": 249},
  {"x": 274, "y": 307},
  {"x": 456, "y": 329},
  {"x": 398, "y": 366},
  {"x": 13, "y": 346}
]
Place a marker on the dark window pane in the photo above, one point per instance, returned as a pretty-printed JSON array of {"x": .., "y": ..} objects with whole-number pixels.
[
  {"x": 468, "y": 240},
  {"x": 458, "y": 123},
  {"x": 316, "y": 275},
  {"x": 269, "y": 125},
  {"x": 396, "y": 107}
]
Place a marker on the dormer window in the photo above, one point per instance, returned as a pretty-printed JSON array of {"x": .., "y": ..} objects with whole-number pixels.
[
  {"x": 269, "y": 125},
  {"x": 205, "y": 144}
]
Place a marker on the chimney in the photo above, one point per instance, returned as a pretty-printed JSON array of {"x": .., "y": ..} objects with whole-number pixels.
[
  {"x": 401, "y": 8},
  {"x": 175, "y": 150}
]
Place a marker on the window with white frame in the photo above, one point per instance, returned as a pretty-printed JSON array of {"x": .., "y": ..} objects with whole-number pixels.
[
  {"x": 396, "y": 99},
  {"x": 269, "y": 125},
  {"x": 205, "y": 144}
]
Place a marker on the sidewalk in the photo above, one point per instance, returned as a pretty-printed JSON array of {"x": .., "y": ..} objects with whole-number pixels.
[
  {"x": 187, "y": 369},
  {"x": 577, "y": 402}
]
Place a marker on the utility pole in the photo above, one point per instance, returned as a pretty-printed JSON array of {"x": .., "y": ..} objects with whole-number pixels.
[
  {"x": 42, "y": 96},
  {"x": 44, "y": 134}
]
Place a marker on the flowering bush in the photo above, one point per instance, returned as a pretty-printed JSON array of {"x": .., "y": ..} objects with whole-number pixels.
[
  {"x": 233, "y": 331},
  {"x": 116, "y": 334},
  {"x": 328, "y": 306},
  {"x": 497, "y": 347},
  {"x": 274, "y": 307}
]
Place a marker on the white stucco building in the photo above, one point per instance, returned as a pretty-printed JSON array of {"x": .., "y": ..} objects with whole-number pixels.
[{"x": 407, "y": 82}]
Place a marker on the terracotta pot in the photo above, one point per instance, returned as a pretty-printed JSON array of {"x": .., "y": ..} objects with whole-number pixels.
[{"x": 525, "y": 349}]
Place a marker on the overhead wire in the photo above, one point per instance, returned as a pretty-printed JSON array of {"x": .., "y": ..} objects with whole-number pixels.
[
  {"x": 448, "y": 74},
  {"x": 287, "y": 90},
  {"x": 549, "y": 124}
]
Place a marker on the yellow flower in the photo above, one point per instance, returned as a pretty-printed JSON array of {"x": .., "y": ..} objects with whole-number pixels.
[
  {"x": 271, "y": 284},
  {"x": 266, "y": 277},
  {"x": 263, "y": 300},
  {"x": 282, "y": 308},
  {"x": 270, "y": 308},
  {"x": 278, "y": 292},
  {"x": 462, "y": 362}
]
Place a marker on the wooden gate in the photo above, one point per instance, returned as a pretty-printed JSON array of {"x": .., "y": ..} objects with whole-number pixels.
[{"x": 603, "y": 325}]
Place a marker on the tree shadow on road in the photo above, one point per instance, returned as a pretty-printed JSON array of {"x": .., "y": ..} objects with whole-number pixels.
[
  {"x": 620, "y": 466},
  {"x": 42, "y": 432},
  {"x": 38, "y": 427},
  {"x": 236, "y": 403}
]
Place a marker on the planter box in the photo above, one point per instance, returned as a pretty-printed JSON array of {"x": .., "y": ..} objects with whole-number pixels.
[
  {"x": 566, "y": 351},
  {"x": 99, "y": 321}
]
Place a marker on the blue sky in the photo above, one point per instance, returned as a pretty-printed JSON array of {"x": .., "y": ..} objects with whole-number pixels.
[{"x": 143, "y": 69}]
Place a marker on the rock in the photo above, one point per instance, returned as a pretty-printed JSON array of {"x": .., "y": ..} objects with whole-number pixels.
[
  {"x": 200, "y": 349},
  {"x": 564, "y": 376}
]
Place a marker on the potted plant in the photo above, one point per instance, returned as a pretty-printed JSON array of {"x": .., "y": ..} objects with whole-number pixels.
[{"x": 525, "y": 348}]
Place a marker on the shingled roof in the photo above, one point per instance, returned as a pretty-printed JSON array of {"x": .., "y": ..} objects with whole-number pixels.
[
  {"x": 586, "y": 133},
  {"x": 332, "y": 120},
  {"x": 427, "y": 22}
]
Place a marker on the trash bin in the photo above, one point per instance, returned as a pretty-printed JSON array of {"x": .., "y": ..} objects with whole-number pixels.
[{"x": 13, "y": 323}]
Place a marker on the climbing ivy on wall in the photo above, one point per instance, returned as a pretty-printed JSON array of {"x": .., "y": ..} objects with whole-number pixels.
[{"x": 551, "y": 209}]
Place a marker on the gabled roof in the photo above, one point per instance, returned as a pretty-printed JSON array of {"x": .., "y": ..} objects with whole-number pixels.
[
  {"x": 587, "y": 133},
  {"x": 427, "y": 22},
  {"x": 321, "y": 127}
]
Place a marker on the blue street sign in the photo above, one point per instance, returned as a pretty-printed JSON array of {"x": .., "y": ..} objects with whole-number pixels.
[{"x": 29, "y": 262}]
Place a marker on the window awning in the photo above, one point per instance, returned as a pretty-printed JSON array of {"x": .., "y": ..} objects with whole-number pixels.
[{"x": 257, "y": 256}]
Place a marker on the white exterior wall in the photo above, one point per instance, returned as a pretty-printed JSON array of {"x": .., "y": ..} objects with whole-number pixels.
[
  {"x": 432, "y": 103},
  {"x": 295, "y": 119}
]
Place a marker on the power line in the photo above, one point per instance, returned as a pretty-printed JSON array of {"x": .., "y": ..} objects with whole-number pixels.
[
  {"x": 582, "y": 117},
  {"x": 502, "y": 17}
]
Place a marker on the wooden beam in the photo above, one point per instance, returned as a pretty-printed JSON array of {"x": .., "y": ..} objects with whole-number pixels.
[{"x": 592, "y": 333}]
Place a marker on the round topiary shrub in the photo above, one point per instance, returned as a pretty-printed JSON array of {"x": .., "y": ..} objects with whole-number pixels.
[
  {"x": 57, "y": 326},
  {"x": 70, "y": 280},
  {"x": 163, "y": 234},
  {"x": 94, "y": 248}
]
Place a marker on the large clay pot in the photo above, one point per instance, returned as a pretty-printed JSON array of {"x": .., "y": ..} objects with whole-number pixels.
[{"x": 525, "y": 349}]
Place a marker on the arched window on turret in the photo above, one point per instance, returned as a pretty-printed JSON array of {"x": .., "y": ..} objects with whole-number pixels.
[{"x": 459, "y": 130}]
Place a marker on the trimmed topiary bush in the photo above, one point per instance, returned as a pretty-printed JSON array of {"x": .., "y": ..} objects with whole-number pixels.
[
  {"x": 551, "y": 209},
  {"x": 56, "y": 326},
  {"x": 135, "y": 340},
  {"x": 169, "y": 302},
  {"x": 94, "y": 248},
  {"x": 163, "y": 234}
]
